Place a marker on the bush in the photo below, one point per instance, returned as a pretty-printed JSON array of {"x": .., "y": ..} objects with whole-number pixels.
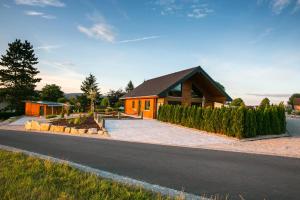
[
  {"x": 6, "y": 115},
  {"x": 50, "y": 116},
  {"x": 240, "y": 122}
]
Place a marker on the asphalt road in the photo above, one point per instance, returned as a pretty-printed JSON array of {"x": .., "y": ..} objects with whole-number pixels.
[{"x": 195, "y": 171}]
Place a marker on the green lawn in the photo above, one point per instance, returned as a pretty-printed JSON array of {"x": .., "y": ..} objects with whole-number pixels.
[{"x": 25, "y": 177}]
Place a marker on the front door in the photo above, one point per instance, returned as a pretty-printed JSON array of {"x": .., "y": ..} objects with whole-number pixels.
[
  {"x": 41, "y": 110},
  {"x": 139, "y": 108}
]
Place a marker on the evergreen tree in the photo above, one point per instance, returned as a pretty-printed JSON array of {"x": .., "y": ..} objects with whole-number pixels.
[
  {"x": 90, "y": 84},
  {"x": 129, "y": 87},
  {"x": 264, "y": 103},
  {"x": 275, "y": 121},
  {"x": 237, "y": 102},
  {"x": 266, "y": 122},
  {"x": 17, "y": 75}
]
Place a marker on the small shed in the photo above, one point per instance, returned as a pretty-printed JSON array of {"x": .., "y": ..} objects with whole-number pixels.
[{"x": 43, "y": 108}]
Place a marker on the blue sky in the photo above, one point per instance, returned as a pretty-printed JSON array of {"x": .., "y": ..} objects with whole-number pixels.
[{"x": 251, "y": 47}]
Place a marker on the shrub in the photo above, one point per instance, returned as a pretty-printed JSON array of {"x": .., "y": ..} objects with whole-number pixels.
[
  {"x": 240, "y": 122},
  {"x": 50, "y": 116},
  {"x": 6, "y": 115}
]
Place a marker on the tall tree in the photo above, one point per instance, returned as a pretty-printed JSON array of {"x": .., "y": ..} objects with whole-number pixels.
[
  {"x": 18, "y": 74},
  {"x": 90, "y": 84},
  {"x": 114, "y": 96},
  {"x": 51, "y": 92},
  {"x": 129, "y": 87},
  {"x": 264, "y": 103}
]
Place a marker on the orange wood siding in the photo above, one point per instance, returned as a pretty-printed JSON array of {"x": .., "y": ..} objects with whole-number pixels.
[
  {"x": 151, "y": 113},
  {"x": 297, "y": 107},
  {"x": 32, "y": 109}
]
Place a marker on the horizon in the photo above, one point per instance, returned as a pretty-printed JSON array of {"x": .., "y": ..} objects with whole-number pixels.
[{"x": 252, "y": 48}]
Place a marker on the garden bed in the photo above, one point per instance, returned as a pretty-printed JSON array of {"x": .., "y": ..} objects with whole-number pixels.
[{"x": 87, "y": 123}]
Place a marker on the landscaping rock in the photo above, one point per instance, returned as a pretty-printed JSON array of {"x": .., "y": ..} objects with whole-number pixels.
[
  {"x": 28, "y": 125},
  {"x": 59, "y": 128},
  {"x": 92, "y": 131},
  {"x": 35, "y": 125},
  {"x": 74, "y": 131},
  {"x": 82, "y": 131},
  {"x": 67, "y": 130},
  {"x": 105, "y": 132},
  {"x": 51, "y": 128},
  {"x": 45, "y": 127},
  {"x": 100, "y": 132}
]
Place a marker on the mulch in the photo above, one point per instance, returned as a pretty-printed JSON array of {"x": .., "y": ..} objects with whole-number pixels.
[{"x": 89, "y": 123}]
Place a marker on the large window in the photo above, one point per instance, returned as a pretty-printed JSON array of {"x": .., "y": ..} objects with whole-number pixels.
[
  {"x": 147, "y": 105},
  {"x": 196, "y": 93},
  {"x": 176, "y": 91}
]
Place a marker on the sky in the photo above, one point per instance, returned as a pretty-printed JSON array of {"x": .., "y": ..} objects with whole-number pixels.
[{"x": 251, "y": 47}]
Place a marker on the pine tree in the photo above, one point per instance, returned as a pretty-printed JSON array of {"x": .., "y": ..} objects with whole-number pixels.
[
  {"x": 129, "y": 87},
  {"x": 90, "y": 84},
  {"x": 17, "y": 76},
  {"x": 266, "y": 121}
]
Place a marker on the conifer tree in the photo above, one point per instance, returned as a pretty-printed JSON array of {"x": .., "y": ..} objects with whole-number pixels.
[
  {"x": 18, "y": 74},
  {"x": 129, "y": 87}
]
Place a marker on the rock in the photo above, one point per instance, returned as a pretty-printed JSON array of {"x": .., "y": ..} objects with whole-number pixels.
[
  {"x": 45, "y": 127},
  {"x": 74, "y": 131},
  {"x": 67, "y": 130},
  {"x": 51, "y": 128},
  {"x": 82, "y": 131},
  {"x": 100, "y": 132},
  {"x": 92, "y": 131},
  {"x": 28, "y": 125},
  {"x": 35, "y": 125},
  {"x": 59, "y": 128}
]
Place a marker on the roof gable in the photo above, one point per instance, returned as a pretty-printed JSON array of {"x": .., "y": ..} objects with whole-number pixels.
[{"x": 161, "y": 85}]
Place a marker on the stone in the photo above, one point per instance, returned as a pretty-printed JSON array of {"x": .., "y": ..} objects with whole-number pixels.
[
  {"x": 74, "y": 131},
  {"x": 28, "y": 125},
  {"x": 52, "y": 128},
  {"x": 45, "y": 126},
  {"x": 92, "y": 131},
  {"x": 67, "y": 130},
  {"x": 100, "y": 132},
  {"x": 82, "y": 131},
  {"x": 35, "y": 125},
  {"x": 59, "y": 128}
]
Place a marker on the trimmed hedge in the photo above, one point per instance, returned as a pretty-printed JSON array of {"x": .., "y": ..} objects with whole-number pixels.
[{"x": 240, "y": 122}]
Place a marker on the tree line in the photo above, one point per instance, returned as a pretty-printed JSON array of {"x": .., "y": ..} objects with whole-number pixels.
[{"x": 18, "y": 81}]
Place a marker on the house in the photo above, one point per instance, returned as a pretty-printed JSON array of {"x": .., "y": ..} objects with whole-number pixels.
[
  {"x": 43, "y": 108},
  {"x": 188, "y": 87},
  {"x": 296, "y": 104}
]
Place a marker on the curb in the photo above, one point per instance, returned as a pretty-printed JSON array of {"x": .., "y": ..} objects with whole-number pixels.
[
  {"x": 265, "y": 137},
  {"x": 115, "y": 177}
]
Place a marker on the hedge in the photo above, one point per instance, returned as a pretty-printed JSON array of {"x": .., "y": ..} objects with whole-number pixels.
[{"x": 240, "y": 122}]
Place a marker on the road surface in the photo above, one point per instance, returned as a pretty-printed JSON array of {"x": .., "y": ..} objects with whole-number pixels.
[{"x": 197, "y": 171}]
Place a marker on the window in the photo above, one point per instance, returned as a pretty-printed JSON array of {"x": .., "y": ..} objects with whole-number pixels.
[
  {"x": 133, "y": 104},
  {"x": 176, "y": 91},
  {"x": 147, "y": 105},
  {"x": 196, "y": 93}
]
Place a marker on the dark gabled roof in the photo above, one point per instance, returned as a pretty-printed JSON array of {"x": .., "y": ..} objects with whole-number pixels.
[{"x": 160, "y": 85}]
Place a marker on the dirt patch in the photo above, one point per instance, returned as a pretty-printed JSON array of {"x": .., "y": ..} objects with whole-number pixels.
[{"x": 88, "y": 123}]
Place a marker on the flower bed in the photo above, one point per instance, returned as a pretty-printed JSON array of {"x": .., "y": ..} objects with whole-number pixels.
[{"x": 84, "y": 123}]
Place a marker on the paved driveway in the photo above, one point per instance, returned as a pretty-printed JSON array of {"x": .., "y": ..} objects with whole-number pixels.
[
  {"x": 155, "y": 132},
  {"x": 293, "y": 126}
]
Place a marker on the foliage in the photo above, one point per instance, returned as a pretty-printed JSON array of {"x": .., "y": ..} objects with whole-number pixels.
[
  {"x": 104, "y": 102},
  {"x": 90, "y": 83},
  {"x": 291, "y": 99},
  {"x": 26, "y": 177},
  {"x": 51, "y": 92},
  {"x": 237, "y": 102},
  {"x": 240, "y": 122},
  {"x": 6, "y": 115},
  {"x": 62, "y": 100},
  {"x": 114, "y": 96},
  {"x": 129, "y": 87},
  {"x": 50, "y": 116},
  {"x": 17, "y": 75},
  {"x": 264, "y": 103},
  {"x": 92, "y": 95}
]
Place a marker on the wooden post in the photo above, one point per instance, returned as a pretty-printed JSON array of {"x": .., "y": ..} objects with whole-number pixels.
[{"x": 203, "y": 101}]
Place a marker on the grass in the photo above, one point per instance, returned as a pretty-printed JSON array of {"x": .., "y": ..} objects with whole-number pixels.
[{"x": 25, "y": 177}]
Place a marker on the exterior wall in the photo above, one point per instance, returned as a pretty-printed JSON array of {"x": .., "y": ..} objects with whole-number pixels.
[
  {"x": 32, "y": 109},
  {"x": 186, "y": 93},
  {"x": 138, "y": 110}
]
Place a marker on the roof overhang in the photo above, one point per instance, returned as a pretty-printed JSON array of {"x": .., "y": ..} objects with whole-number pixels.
[{"x": 141, "y": 97}]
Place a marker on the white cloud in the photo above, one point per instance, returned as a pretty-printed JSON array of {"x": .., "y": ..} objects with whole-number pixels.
[
  {"x": 261, "y": 36},
  {"x": 40, "y": 14},
  {"x": 279, "y": 5},
  {"x": 48, "y": 48},
  {"x": 41, "y": 3},
  {"x": 100, "y": 30},
  {"x": 140, "y": 39},
  {"x": 200, "y": 11}
]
